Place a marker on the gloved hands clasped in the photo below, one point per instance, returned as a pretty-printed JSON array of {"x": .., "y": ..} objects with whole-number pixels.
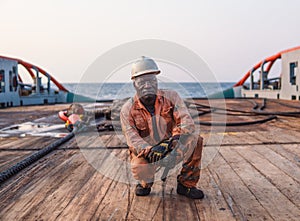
[
  {"x": 159, "y": 151},
  {"x": 166, "y": 153}
]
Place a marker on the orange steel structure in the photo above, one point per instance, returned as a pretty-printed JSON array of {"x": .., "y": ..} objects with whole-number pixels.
[
  {"x": 271, "y": 60},
  {"x": 29, "y": 68}
]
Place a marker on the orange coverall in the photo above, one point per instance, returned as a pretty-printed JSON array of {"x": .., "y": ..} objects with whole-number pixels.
[{"x": 171, "y": 118}]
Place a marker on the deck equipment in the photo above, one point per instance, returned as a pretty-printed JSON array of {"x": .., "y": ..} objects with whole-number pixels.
[{"x": 42, "y": 88}]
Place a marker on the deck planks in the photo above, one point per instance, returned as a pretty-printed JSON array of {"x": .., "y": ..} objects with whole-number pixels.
[
  {"x": 294, "y": 149},
  {"x": 287, "y": 151},
  {"x": 265, "y": 192},
  {"x": 241, "y": 201},
  {"x": 214, "y": 206},
  {"x": 18, "y": 149},
  {"x": 248, "y": 173},
  {"x": 285, "y": 165},
  {"x": 274, "y": 173}
]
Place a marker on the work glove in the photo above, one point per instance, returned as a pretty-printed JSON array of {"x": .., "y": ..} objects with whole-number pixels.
[
  {"x": 144, "y": 152},
  {"x": 158, "y": 151}
]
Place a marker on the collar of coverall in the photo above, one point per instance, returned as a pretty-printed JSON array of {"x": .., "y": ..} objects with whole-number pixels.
[{"x": 138, "y": 105}]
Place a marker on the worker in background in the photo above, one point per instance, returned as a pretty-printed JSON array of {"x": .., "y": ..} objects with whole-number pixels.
[{"x": 153, "y": 122}]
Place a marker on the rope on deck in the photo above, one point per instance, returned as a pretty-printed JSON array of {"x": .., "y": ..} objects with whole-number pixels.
[
  {"x": 33, "y": 158},
  {"x": 241, "y": 123},
  {"x": 256, "y": 110},
  {"x": 285, "y": 113}
]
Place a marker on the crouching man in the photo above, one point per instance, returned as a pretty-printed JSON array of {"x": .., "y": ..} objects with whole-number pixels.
[{"x": 155, "y": 121}]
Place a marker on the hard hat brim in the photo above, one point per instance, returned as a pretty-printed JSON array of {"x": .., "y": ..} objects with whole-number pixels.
[{"x": 145, "y": 72}]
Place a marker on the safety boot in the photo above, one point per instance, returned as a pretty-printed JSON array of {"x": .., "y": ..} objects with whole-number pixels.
[
  {"x": 141, "y": 191},
  {"x": 192, "y": 192}
]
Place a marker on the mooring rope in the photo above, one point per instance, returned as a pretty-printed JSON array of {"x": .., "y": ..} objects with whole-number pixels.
[{"x": 33, "y": 158}]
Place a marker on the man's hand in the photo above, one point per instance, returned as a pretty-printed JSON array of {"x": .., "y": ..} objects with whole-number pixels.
[
  {"x": 158, "y": 152},
  {"x": 144, "y": 152}
]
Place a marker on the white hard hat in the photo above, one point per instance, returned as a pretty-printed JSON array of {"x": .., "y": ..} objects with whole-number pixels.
[{"x": 144, "y": 66}]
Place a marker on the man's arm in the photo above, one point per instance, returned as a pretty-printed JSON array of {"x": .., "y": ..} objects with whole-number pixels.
[
  {"x": 135, "y": 142},
  {"x": 184, "y": 124}
]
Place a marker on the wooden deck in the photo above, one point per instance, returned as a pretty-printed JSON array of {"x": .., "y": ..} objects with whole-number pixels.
[{"x": 253, "y": 175}]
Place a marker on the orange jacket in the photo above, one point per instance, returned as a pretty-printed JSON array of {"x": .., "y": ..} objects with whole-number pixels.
[{"x": 171, "y": 117}]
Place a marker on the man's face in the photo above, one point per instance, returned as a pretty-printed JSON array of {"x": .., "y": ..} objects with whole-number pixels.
[{"x": 146, "y": 86}]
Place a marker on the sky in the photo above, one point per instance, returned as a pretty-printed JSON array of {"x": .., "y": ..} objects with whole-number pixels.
[{"x": 65, "y": 37}]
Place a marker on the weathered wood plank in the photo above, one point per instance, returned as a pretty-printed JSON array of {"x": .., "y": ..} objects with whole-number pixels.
[
  {"x": 116, "y": 202},
  {"x": 60, "y": 191},
  {"x": 174, "y": 206},
  {"x": 279, "y": 161},
  {"x": 245, "y": 139},
  {"x": 10, "y": 158},
  {"x": 288, "y": 123},
  {"x": 287, "y": 135},
  {"x": 213, "y": 206},
  {"x": 146, "y": 208},
  {"x": 81, "y": 183},
  {"x": 110, "y": 203},
  {"x": 287, "y": 151},
  {"x": 212, "y": 139},
  {"x": 265, "y": 136},
  {"x": 28, "y": 142},
  {"x": 295, "y": 149},
  {"x": 88, "y": 199},
  {"x": 266, "y": 166},
  {"x": 35, "y": 184},
  {"x": 241, "y": 201},
  {"x": 264, "y": 191},
  {"x": 28, "y": 113},
  {"x": 5, "y": 140},
  {"x": 62, "y": 195},
  {"x": 18, "y": 149},
  {"x": 220, "y": 138}
]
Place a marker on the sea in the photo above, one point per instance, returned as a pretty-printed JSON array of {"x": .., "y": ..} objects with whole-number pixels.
[{"x": 112, "y": 91}]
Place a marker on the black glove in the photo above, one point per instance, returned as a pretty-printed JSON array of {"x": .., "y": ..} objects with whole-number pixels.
[{"x": 159, "y": 151}]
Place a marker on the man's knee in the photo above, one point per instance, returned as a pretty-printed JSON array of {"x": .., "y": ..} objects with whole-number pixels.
[
  {"x": 194, "y": 147},
  {"x": 141, "y": 169}
]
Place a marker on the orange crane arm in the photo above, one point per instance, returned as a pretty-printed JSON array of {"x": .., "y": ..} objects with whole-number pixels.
[
  {"x": 29, "y": 68},
  {"x": 270, "y": 59}
]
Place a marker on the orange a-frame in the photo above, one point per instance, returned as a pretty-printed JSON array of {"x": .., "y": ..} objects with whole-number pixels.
[
  {"x": 271, "y": 60},
  {"x": 29, "y": 68}
]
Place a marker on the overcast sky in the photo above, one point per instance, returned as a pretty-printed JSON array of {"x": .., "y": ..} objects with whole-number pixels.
[{"x": 65, "y": 37}]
